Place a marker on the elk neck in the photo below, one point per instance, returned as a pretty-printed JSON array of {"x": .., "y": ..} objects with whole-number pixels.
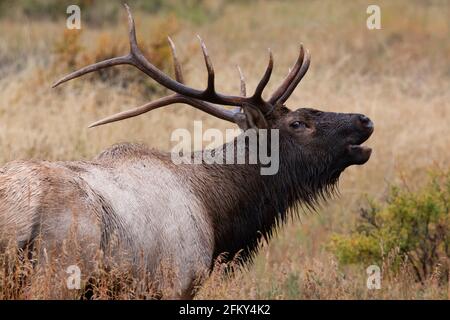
[{"x": 245, "y": 206}]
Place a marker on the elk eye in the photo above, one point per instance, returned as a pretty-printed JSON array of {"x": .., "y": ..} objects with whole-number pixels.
[{"x": 298, "y": 125}]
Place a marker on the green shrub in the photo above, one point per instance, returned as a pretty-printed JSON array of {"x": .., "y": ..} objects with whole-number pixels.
[{"x": 414, "y": 225}]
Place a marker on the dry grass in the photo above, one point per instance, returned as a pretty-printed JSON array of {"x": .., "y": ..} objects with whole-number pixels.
[{"x": 399, "y": 76}]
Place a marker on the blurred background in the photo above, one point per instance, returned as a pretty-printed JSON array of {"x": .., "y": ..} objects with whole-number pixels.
[{"x": 393, "y": 211}]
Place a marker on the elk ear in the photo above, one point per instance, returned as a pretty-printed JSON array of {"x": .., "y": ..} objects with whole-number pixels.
[{"x": 252, "y": 118}]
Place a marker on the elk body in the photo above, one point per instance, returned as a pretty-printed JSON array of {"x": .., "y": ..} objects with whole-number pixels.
[{"x": 134, "y": 202}]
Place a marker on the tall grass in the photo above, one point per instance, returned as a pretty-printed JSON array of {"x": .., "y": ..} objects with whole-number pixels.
[{"x": 398, "y": 76}]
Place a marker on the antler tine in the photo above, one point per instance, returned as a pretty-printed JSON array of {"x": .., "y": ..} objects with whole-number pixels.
[
  {"x": 256, "y": 100},
  {"x": 176, "y": 63},
  {"x": 209, "y": 108},
  {"x": 174, "y": 98},
  {"x": 264, "y": 80},
  {"x": 131, "y": 29},
  {"x": 243, "y": 86},
  {"x": 298, "y": 77},
  {"x": 289, "y": 78},
  {"x": 94, "y": 67},
  {"x": 209, "y": 67}
]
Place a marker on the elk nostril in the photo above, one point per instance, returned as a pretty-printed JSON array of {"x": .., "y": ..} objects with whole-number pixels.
[{"x": 365, "y": 121}]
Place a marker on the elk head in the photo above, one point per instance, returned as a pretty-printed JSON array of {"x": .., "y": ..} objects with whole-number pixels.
[{"x": 311, "y": 133}]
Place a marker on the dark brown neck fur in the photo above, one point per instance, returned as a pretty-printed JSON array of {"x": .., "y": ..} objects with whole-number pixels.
[{"x": 245, "y": 206}]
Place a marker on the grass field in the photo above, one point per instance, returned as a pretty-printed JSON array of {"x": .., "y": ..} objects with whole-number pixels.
[{"x": 399, "y": 76}]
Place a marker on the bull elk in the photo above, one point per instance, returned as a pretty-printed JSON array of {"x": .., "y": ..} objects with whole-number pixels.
[{"x": 186, "y": 214}]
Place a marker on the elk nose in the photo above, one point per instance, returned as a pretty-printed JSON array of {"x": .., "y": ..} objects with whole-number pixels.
[{"x": 365, "y": 122}]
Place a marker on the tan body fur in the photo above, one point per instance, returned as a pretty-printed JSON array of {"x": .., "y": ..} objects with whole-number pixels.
[{"x": 128, "y": 193}]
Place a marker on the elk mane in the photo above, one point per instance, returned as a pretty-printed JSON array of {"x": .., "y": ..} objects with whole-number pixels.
[{"x": 245, "y": 206}]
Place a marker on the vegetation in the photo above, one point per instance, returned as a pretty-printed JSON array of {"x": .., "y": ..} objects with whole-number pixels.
[
  {"x": 398, "y": 76},
  {"x": 413, "y": 225}
]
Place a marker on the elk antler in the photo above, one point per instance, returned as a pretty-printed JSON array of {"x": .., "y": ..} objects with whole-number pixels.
[
  {"x": 293, "y": 78},
  {"x": 207, "y": 100}
]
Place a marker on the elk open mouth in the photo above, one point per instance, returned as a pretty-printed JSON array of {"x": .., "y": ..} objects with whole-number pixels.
[{"x": 359, "y": 153}]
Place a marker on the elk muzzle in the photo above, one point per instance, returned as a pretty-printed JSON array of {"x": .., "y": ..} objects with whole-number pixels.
[{"x": 363, "y": 129}]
